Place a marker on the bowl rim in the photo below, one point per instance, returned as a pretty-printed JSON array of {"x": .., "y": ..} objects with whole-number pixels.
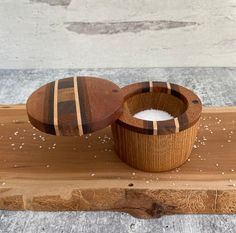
[{"x": 188, "y": 118}]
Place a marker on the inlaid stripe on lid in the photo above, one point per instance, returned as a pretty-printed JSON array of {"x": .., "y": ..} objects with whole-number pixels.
[
  {"x": 55, "y": 107},
  {"x": 85, "y": 108},
  {"x": 176, "y": 124},
  {"x": 49, "y": 104},
  {"x": 77, "y": 104},
  {"x": 150, "y": 86},
  {"x": 154, "y": 127},
  {"x": 169, "y": 88}
]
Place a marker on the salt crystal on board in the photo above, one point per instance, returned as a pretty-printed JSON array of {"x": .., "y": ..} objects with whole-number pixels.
[{"x": 153, "y": 115}]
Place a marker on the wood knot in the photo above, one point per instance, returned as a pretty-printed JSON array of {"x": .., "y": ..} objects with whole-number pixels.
[{"x": 156, "y": 210}]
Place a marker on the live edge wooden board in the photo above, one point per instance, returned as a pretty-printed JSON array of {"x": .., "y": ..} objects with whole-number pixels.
[{"x": 45, "y": 172}]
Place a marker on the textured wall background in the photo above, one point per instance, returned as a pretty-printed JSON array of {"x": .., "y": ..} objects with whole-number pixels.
[{"x": 117, "y": 33}]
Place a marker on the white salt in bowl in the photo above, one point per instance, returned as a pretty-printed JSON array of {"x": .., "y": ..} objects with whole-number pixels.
[{"x": 153, "y": 115}]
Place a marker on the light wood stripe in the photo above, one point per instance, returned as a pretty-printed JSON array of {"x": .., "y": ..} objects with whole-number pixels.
[
  {"x": 154, "y": 127},
  {"x": 151, "y": 86},
  {"x": 77, "y": 104},
  {"x": 176, "y": 125},
  {"x": 55, "y": 107},
  {"x": 169, "y": 88}
]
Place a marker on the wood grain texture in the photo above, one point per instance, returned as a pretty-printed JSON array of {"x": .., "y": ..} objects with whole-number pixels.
[
  {"x": 45, "y": 172},
  {"x": 153, "y": 153},
  {"x": 74, "y": 106}
]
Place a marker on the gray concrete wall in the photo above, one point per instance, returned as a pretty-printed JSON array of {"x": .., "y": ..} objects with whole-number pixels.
[{"x": 117, "y": 33}]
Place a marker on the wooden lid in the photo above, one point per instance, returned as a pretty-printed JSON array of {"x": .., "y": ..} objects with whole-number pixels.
[
  {"x": 75, "y": 106},
  {"x": 185, "y": 120}
]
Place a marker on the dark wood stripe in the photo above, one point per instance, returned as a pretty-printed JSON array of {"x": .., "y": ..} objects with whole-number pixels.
[
  {"x": 145, "y": 87},
  {"x": 176, "y": 92},
  {"x": 65, "y": 83},
  {"x": 149, "y": 126},
  {"x": 67, "y": 122},
  {"x": 84, "y": 105},
  {"x": 166, "y": 127},
  {"x": 183, "y": 121},
  {"x": 143, "y": 130},
  {"x": 162, "y": 127},
  {"x": 45, "y": 99},
  {"x": 49, "y": 128},
  {"x": 160, "y": 87}
]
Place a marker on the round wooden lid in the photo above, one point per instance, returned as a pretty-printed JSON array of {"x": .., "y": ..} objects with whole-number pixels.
[{"x": 75, "y": 106}]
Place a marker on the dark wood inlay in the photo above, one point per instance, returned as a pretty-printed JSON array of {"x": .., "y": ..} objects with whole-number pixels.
[
  {"x": 160, "y": 87},
  {"x": 49, "y": 127},
  {"x": 65, "y": 83},
  {"x": 67, "y": 123},
  {"x": 84, "y": 105}
]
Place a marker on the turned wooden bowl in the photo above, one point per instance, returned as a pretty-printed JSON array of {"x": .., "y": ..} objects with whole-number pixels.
[{"x": 157, "y": 145}]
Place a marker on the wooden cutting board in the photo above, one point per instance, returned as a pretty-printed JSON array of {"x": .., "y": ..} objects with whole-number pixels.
[{"x": 45, "y": 172}]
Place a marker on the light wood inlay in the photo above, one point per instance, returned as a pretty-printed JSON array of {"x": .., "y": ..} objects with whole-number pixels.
[
  {"x": 169, "y": 88},
  {"x": 176, "y": 124},
  {"x": 55, "y": 107},
  {"x": 151, "y": 86},
  {"x": 77, "y": 104},
  {"x": 154, "y": 127}
]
